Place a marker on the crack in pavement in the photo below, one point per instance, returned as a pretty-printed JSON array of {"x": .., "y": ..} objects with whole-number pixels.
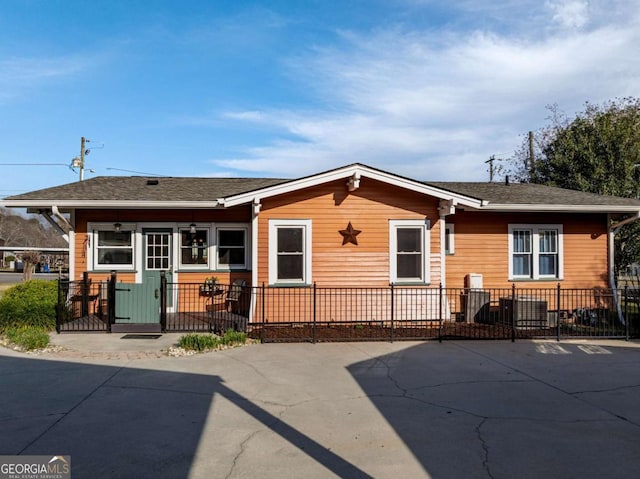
[
  {"x": 552, "y": 386},
  {"x": 485, "y": 448}
]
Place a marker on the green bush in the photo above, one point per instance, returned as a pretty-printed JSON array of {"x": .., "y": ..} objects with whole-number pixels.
[
  {"x": 233, "y": 337},
  {"x": 32, "y": 303},
  {"x": 203, "y": 342},
  {"x": 198, "y": 342},
  {"x": 28, "y": 338}
]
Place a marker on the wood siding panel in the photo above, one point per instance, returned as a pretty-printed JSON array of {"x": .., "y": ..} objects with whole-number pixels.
[
  {"x": 481, "y": 246},
  {"x": 331, "y": 208}
]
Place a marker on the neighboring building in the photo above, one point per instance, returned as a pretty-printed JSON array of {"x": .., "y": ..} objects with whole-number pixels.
[{"x": 351, "y": 226}]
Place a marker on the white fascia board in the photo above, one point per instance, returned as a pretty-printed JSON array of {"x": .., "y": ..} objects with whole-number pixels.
[
  {"x": 345, "y": 174},
  {"x": 105, "y": 204},
  {"x": 562, "y": 208},
  {"x": 34, "y": 248}
]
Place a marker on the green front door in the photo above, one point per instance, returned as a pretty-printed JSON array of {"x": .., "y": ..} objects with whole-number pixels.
[{"x": 140, "y": 303}]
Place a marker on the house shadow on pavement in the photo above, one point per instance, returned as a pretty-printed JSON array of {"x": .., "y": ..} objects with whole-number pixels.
[
  {"x": 497, "y": 410},
  {"x": 131, "y": 422}
]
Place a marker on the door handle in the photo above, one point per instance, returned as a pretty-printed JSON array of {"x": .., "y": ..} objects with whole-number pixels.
[{"x": 156, "y": 293}]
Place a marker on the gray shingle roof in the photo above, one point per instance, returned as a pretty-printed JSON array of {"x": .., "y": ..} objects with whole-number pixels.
[
  {"x": 198, "y": 189},
  {"x": 139, "y": 188},
  {"x": 530, "y": 194}
]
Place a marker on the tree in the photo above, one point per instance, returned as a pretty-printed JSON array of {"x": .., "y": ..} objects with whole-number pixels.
[
  {"x": 598, "y": 152},
  {"x": 29, "y": 261},
  {"x": 16, "y": 230}
]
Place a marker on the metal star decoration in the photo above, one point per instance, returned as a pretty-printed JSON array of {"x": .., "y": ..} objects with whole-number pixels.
[{"x": 349, "y": 235}]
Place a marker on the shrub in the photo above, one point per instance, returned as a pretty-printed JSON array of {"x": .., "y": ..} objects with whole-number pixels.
[
  {"x": 203, "y": 342},
  {"x": 32, "y": 303},
  {"x": 28, "y": 338},
  {"x": 198, "y": 342},
  {"x": 233, "y": 337}
]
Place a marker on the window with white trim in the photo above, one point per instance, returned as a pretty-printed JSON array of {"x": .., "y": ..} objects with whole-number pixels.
[
  {"x": 113, "y": 249},
  {"x": 194, "y": 248},
  {"x": 290, "y": 251},
  {"x": 409, "y": 251},
  {"x": 232, "y": 247},
  {"x": 535, "y": 252}
]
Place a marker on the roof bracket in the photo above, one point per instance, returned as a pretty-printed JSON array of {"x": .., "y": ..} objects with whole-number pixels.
[
  {"x": 354, "y": 181},
  {"x": 47, "y": 216},
  {"x": 447, "y": 207},
  {"x": 256, "y": 206}
]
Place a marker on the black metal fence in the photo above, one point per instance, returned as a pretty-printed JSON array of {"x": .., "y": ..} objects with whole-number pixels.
[
  {"x": 396, "y": 313},
  {"x": 365, "y": 314}
]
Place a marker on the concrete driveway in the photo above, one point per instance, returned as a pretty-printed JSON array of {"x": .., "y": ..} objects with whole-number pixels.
[{"x": 383, "y": 410}]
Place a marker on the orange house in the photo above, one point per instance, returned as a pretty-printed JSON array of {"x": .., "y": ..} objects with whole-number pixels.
[{"x": 353, "y": 226}]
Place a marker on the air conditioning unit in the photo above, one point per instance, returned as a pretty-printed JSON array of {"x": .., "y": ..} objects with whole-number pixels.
[{"x": 473, "y": 281}]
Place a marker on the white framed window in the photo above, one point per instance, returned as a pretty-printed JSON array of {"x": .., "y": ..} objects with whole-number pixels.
[
  {"x": 111, "y": 249},
  {"x": 194, "y": 247},
  {"x": 290, "y": 252},
  {"x": 232, "y": 246},
  {"x": 409, "y": 249},
  {"x": 535, "y": 252},
  {"x": 449, "y": 239}
]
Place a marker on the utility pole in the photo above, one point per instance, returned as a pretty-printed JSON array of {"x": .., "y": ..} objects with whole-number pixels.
[
  {"x": 491, "y": 159},
  {"x": 82, "y": 142},
  {"x": 532, "y": 161},
  {"x": 78, "y": 162}
]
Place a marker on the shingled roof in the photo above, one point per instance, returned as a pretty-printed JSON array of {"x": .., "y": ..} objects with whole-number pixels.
[
  {"x": 495, "y": 194},
  {"x": 141, "y": 188},
  {"x": 198, "y": 192}
]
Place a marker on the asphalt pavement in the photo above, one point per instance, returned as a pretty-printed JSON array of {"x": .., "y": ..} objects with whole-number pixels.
[
  {"x": 9, "y": 278},
  {"x": 460, "y": 409}
]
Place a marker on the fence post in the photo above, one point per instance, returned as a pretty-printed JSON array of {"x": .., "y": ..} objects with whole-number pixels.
[
  {"x": 60, "y": 304},
  {"x": 558, "y": 298},
  {"x": 111, "y": 301},
  {"x": 392, "y": 310},
  {"x": 263, "y": 315},
  {"x": 163, "y": 302},
  {"x": 84, "y": 298},
  {"x": 514, "y": 312},
  {"x": 314, "y": 339},
  {"x": 440, "y": 315},
  {"x": 627, "y": 319}
]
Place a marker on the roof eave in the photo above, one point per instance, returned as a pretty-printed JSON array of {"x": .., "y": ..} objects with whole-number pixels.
[
  {"x": 106, "y": 204},
  {"x": 561, "y": 208},
  {"x": 343, "y": 174}
]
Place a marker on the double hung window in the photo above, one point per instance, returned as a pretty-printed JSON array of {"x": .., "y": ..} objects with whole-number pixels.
[
  {"x": 290, "y": 251},
  {"x": 113, "y": 249},
  {"x": 535, "y": 252},
  {"x": 408, "y": 251}
]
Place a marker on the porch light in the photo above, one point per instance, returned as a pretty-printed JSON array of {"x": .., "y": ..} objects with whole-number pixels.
[
  {"x": 192, "y": 228},
  {"x": 117, "y": 227}
]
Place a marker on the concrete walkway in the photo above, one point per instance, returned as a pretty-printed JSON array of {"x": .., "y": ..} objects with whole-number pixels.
[{"x": 384, "y": 410}]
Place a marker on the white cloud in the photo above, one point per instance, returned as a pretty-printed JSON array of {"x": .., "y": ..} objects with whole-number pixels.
[
  {"x": 570, "y": 13},
  {"x": 437, "y": 104}
]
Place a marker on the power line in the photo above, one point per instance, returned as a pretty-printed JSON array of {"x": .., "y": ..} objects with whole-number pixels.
[
  {"x": 138, "y": 172},
  {"x": 34, "y": 164}
]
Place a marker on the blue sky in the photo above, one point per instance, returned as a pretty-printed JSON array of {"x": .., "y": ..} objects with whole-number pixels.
[{"x": 423, "y": 88}]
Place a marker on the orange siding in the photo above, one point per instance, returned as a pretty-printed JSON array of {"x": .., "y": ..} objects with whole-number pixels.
[
  {"x": 481, "y": 246},
  {"x": 330, "y": 208},
  {"x": 481, "y": 240}
]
